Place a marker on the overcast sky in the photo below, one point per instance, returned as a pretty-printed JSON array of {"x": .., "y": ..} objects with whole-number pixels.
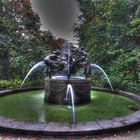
[{"x": 58, "y": 16}]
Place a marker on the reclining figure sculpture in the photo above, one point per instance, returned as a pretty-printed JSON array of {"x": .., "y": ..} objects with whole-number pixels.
[{"x": 67, "y": 61}]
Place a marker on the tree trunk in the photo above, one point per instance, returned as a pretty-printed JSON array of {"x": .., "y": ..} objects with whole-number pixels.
[{"x": 5, "y": 64}]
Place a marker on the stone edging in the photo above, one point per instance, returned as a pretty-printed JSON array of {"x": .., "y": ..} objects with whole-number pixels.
[{"x": 65, "y": 129}]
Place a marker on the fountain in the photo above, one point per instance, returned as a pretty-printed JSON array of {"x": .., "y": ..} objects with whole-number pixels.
[
  {"x": 62, "y": 86},
  {"x": 66, "y": 93},
  {"x": 68, "y": 106},
  {"x": 60, "y": 66}
]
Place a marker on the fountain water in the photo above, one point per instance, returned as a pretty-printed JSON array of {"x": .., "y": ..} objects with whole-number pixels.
[
  {"x": 70, "y": 97},
  {"x": 108, "y": 80},
  {"x": 39, "y": 66},
  {"x": 104, "y": 73}
]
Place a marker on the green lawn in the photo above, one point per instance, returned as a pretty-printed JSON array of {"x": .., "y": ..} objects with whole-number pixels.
[{"x": 30, "y": 106}]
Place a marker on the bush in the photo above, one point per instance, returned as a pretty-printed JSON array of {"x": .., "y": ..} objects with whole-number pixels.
[
  {"x": 16, "y": 83},
  {"x": 118, "y": 83},
  {"x": 8, "y": 84},
  {"x": 110, "y": 31}
]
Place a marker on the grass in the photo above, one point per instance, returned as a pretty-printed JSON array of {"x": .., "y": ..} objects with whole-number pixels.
[{"x": 30, "y": 107}]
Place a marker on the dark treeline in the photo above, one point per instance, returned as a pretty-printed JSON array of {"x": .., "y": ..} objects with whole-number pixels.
[
  {"x": 21, "y": 42},
  {"x": 109, "y": 31}
]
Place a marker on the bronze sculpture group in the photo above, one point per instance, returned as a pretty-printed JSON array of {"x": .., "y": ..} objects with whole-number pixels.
[{"x": 67, "y": 61}]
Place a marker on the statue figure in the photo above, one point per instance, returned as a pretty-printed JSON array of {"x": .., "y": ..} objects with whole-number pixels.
[
  {"x": 67, "y": 61},
  {"x": 54, "y": 63}
]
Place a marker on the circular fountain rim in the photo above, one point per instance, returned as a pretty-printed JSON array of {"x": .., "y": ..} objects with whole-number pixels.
[{"x": 65, "y": 129}]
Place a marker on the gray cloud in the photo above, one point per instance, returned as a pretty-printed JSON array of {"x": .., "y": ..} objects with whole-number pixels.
[{"x": 58, "y": 16}]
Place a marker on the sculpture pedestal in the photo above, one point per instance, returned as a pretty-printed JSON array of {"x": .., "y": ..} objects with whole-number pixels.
[{"x": 55, "y": 90}]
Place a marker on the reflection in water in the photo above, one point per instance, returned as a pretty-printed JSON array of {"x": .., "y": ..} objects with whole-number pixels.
[
  {"x": 33, "y": 108},
  {"x": 38, "y": 101}
]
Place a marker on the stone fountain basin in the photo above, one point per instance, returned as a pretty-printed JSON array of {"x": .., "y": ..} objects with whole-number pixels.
[
  {"x": 64, "y": 129},
  {"x": 56, "y": 89}
]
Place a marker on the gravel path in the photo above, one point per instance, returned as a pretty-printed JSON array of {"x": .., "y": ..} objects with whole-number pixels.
[{"x": 129, "y": 135}]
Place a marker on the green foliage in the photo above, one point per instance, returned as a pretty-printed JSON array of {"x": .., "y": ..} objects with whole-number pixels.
[
  {"x": 16, "y": 83},
  {"x": 135, "y": 21},
  {"x": 110, "y": 31},
  {"x": 22, "y": 44},
  {"x": 5, "y": 84}
]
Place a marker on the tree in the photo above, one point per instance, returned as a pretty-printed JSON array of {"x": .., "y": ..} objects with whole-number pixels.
[
  {"x": 7, "y": 26},
  {"x": 20, "y": 38},
  {"x": 110, "y": 32}
]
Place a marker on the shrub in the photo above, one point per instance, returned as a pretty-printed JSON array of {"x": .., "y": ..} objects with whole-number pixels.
[{"x": 8, "y": 84}]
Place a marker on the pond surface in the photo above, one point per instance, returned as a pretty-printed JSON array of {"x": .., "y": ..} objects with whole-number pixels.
[{"x": 30, "y": 106}]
